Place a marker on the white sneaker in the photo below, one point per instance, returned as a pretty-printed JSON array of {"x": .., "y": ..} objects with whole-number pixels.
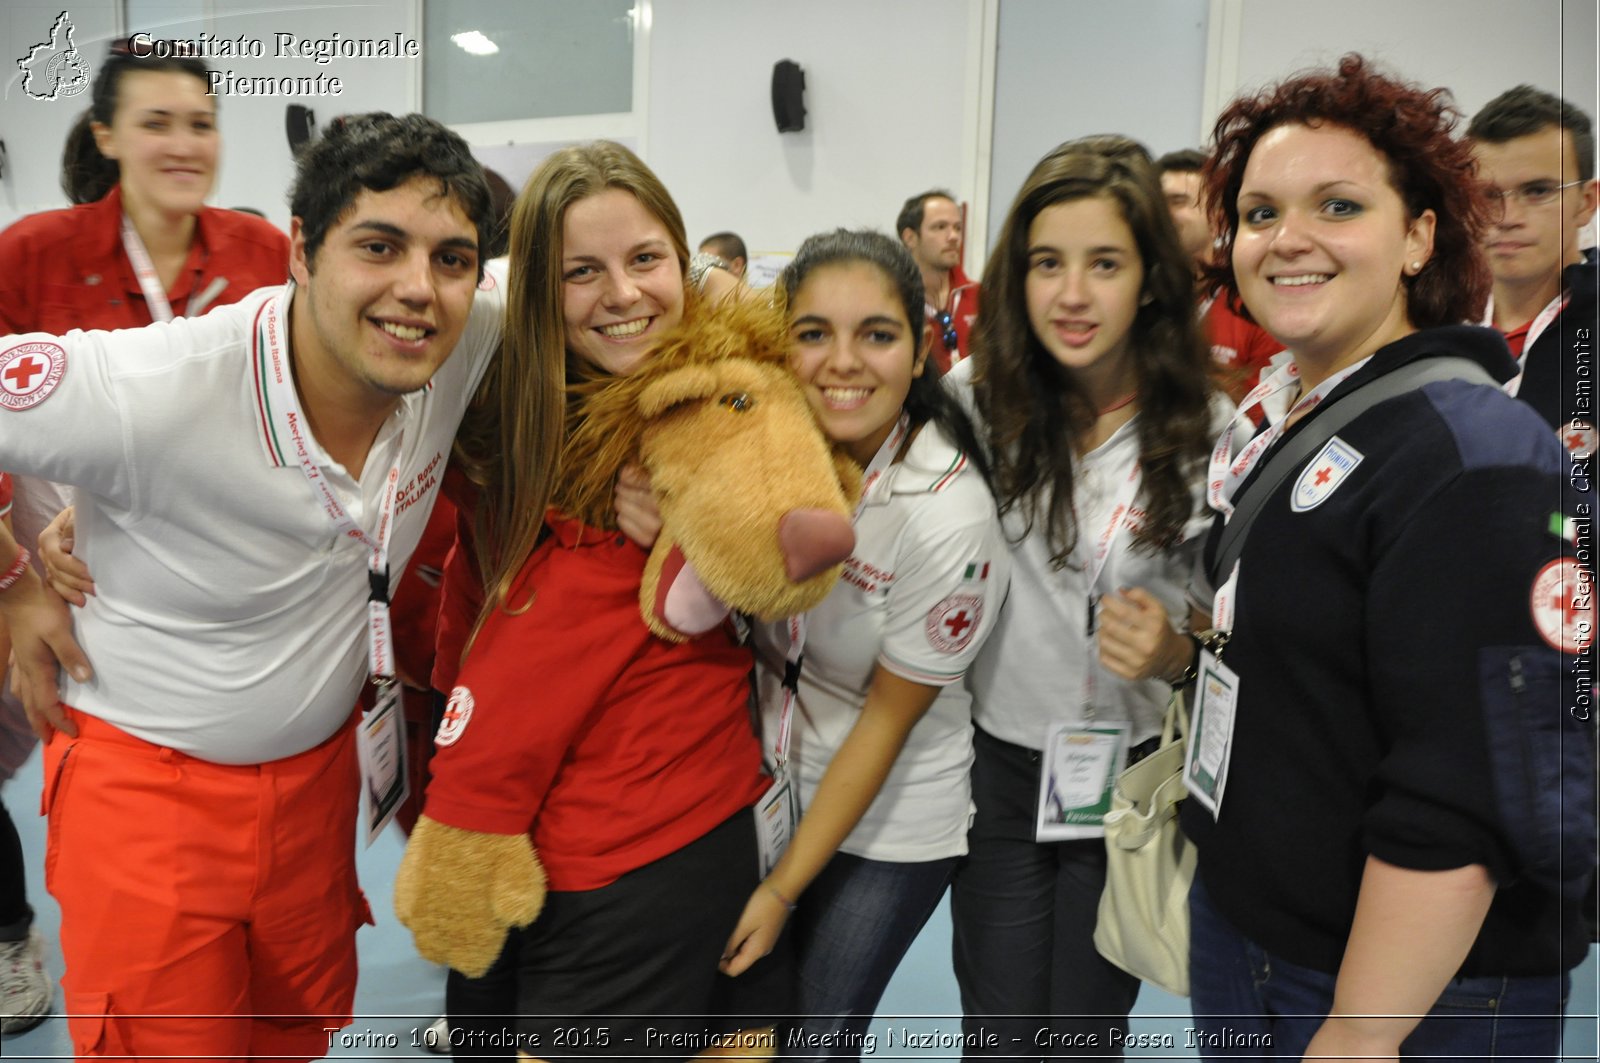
[
  {"x": 436, "y": 1038},
  {"x": 25, "y": 990}
]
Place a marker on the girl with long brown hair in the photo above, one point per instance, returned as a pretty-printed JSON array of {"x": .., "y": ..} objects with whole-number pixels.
[
  {"x": 628, "y": 759},
  {"x": 1091, "y": 378}
]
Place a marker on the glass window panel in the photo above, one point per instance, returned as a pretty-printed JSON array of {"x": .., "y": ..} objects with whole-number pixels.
[{"x": 553, "y": 58}]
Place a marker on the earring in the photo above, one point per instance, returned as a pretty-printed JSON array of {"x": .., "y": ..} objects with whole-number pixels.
[{"x": 1416, "y": 267}]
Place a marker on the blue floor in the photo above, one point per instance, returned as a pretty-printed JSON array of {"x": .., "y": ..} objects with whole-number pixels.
[{"x": 400, "y": 994}]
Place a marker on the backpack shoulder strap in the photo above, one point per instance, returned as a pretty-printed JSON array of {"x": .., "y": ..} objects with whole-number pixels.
[{"x": 1288, "y": 457}]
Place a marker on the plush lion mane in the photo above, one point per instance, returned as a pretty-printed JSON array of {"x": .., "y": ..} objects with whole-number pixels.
[{"x": 603, "y": 421}]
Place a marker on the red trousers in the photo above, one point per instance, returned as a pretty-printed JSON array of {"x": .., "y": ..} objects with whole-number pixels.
[{"x": 207, "y": 910}]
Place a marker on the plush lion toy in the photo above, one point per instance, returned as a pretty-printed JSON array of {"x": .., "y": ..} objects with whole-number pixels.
[{"x": 755, "y": 508}]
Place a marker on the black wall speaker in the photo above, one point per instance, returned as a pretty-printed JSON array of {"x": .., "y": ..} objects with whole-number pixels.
[
  {"x": 301, "y": 125},
  {"x": 788, "y": 96}
]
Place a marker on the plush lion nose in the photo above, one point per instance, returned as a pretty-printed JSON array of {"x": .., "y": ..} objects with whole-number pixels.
[{"x": 813, "y": 540}]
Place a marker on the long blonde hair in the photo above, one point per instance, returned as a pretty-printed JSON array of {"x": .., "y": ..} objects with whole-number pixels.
[{"x": 510, "y": 444}]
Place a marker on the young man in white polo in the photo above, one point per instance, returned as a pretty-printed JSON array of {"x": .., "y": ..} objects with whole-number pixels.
[{"x": 246, "y": 482}]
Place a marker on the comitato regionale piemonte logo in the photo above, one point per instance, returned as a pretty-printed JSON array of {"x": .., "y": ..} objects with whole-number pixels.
[{"x": 55, "y": 68}]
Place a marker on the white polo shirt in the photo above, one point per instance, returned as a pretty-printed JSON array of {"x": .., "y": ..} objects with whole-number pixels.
[
  {"x": 919, "y": 595},
  {"x": 230, "y": 618},
  {"x": 1040, "y": 666}
]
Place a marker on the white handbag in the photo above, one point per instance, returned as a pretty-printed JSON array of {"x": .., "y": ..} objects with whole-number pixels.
[{"x": 1143, "y": 924}]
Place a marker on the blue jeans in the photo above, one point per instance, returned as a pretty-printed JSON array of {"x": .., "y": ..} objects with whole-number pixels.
[
  {"x": 851, "y": 930},
  {"x": 1250, "y": 1004}
]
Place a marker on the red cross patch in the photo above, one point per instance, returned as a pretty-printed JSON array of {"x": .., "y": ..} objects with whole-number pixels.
[
  {"x": 952, "y": 623},
  {"x": 1336, "y": 460},
  {"x": 457, "y": 711},
  {"x": 29, "y": 372},
  {"x": 1578, "y": 437},
  {"x": 1562, "y": 602}
]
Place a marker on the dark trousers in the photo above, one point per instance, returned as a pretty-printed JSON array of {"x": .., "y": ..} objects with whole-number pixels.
[
  {"x": 629, "y": 970},
  {"x": 1032, "y": 984},
  {"x": 15, "y": 915}
]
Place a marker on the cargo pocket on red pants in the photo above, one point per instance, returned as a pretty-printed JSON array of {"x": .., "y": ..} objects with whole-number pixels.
[{"x": 95, "y": 1029}]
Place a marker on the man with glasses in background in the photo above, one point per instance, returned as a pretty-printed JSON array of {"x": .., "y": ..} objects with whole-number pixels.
[
  {"x": 930, "y": 225},
  {"x": 1535, "y": 154}
]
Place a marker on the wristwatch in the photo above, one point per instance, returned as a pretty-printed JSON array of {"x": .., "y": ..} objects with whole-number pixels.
[{"x": 1210, "y": 640}]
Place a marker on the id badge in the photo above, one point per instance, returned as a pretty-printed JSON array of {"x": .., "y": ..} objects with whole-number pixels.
[
  {"x": 381, "y": 744},
  {"x": 1076, "y": 775},
  {"x": 1205, "y": 768},
  {"x": 776, "y": 815}
]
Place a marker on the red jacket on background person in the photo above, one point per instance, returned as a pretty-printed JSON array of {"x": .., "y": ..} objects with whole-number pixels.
[
  {"x": 962, "y": 306},
  {"x": 1240, "y": 349},
  {"x": 65, "y": 269}
]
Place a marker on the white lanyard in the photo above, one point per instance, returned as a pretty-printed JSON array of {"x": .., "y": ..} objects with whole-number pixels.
[
  {"x": 1535, "y": 330},
  {"x": 154, "y": 297},
  {"x": 1102, "y": 551},
  {"x": 1096, "y": 568},
  {"x": 797, "y": 624},
  {"x": 1226, "y": 473},
  {"x": 291, "y": 423}
]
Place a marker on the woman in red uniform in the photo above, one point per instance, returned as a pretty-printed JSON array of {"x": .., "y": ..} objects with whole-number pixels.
[{"x": 140, "y": 245}]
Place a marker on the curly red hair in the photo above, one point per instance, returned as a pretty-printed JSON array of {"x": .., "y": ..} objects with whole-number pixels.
[{"x": 1430, "y": 168}]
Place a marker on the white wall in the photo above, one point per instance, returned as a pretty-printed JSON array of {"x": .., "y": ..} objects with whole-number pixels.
[
  {"x": 884, "y": 97},
  {"x": 1479, "y": 48}
]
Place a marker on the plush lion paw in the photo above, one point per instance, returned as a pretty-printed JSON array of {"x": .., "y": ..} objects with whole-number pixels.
[{"x": 462, "y": 891}]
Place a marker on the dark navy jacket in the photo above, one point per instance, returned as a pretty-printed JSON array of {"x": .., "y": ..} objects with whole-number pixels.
[
  {"x": 1396, "y": 696},
  {"x": 1558, "y": 377}
]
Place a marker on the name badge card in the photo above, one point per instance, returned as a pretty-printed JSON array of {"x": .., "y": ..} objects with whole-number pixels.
[
  {"x": 381, "y": 743},
  {"x": 776, "y": 815},
  {"x": 1078, "y": 770},
  {"x": 1205, "y": 768}
]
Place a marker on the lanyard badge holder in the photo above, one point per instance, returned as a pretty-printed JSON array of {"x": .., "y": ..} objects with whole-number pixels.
[
  {"x": 1217, "y": 692},
  {"x": 1216, "y": 695},
  {"x": 1081, "y": 759},
  {"x": 778, "y": 811},
  {"x": 380, "y": 740}
]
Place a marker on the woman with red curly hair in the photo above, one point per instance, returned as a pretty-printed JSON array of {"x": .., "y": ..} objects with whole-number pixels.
[{"x": 1392, "y": 777}]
